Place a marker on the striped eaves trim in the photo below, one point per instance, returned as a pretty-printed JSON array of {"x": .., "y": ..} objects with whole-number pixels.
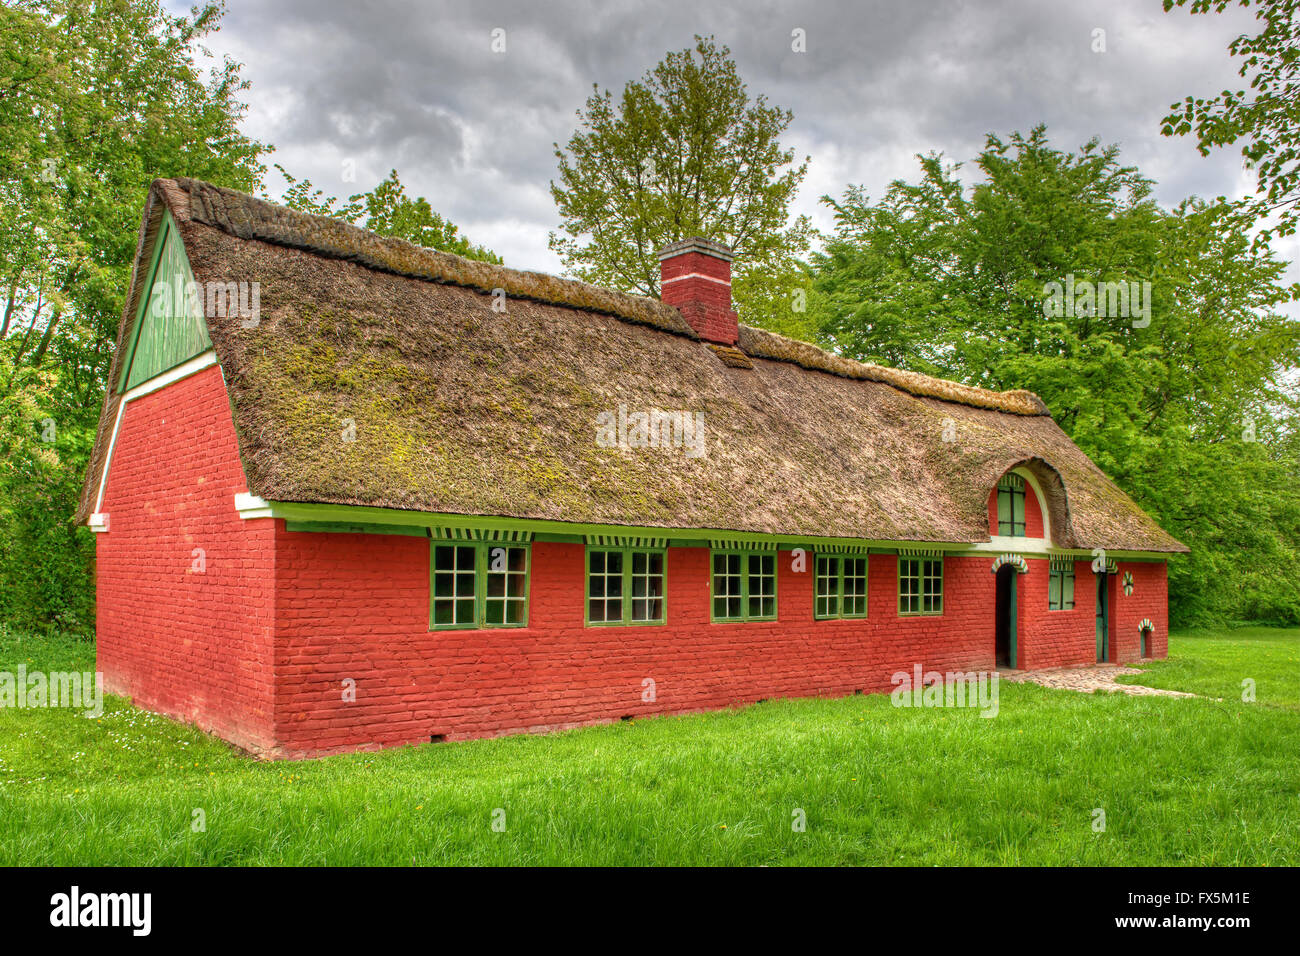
[
  {"x": 624, "y": 541},
  {"x": 722, "y": 544},
  {"x": 481, "y": 534},
  {"x": 920, "y": 552},
  {"x": 1061, "y": 564}
]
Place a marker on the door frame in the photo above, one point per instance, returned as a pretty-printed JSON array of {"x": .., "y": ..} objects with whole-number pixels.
[
  {"x": 1103, "y": 616},
  {"x": 1012, "y": 651}
]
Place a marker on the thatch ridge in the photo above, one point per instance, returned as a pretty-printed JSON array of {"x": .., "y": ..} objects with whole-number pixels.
[
  {"x": 248, "y": 217},
  {"x": 770, "y": 345}
]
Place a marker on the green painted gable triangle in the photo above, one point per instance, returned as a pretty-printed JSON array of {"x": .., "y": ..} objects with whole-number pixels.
[{"x": 169, "y": 327}]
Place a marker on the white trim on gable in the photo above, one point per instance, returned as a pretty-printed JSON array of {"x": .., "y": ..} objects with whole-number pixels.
[
  {"x": 184, "y": 370},
  {"x": 1042, "y": 504},
  {"x": 251, "y": 506}
]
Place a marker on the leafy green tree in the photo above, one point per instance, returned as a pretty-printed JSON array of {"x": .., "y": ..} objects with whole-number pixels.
[
  {"x": 1266, "y": 120},
  {"x": 1186, "y": 399},
  {"x": 388, "y": 211},
  {"x": 683, "y": 152},
  {"x": 96, "y": 100}
]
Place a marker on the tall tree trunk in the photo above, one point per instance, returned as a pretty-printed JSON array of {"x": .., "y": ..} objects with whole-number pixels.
[
  {"x": 45, "y": 339},
  {"x": 10, "y": 304}
]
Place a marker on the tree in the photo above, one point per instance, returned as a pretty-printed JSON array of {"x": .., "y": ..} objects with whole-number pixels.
[
  {"x": 684, "y": 152},
  {"x": 1267, "y": 119},
  {"x": 96, "y": 100},
  {"x": 388, "y": 211},
  {"x": 1183, "y": 396}
]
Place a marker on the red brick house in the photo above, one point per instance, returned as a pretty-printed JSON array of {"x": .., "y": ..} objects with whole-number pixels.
[{"x": 352, "y": 493}]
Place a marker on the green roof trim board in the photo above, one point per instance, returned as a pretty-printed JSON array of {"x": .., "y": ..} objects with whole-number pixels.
[{"x": 169, "y": 326}]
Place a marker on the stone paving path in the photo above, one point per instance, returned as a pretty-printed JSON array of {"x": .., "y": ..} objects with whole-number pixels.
[{"x": 1088, "y": 679}]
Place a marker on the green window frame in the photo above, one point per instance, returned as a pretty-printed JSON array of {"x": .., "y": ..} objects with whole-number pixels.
[
  {"x": 1011, "y": 506},
  {"x": 626, "y": 586},
  {"x": 920, "y": 586},
  {"x": 839, "y": 586},
  {"x": 1060, "y": 589},
  {"x": 477, "y": 584},
  {"x": 742, "y": 586}
]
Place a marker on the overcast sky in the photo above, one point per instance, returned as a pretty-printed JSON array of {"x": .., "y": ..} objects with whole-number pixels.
[{"x": 415, "y": 86}]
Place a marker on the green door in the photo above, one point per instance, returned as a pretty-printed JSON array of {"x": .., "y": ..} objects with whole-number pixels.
[{"x": 1103, "y": 629}]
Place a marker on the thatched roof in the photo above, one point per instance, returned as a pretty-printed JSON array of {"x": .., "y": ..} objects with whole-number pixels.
[{"x": 463, "y": 409}]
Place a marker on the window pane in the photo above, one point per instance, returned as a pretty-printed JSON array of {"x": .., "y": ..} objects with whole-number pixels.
[
  {"x": 727, "y": 585},
  {"x": 828, "y": 586},
  {"x": 855, "y": 587},
  {"x": 647, "y": 585},
  {"x": 761, "y": 580},
  {"x": 932, "y": 586},
  {"x": 514, "y": 612},
  {"x": 605, "y": 587},
  {"x": 909, "y": 585},
  {"x": 453, "y": 584},
  {"x": 506, "y": 584},
  {"x": 1054, "y": 591}
]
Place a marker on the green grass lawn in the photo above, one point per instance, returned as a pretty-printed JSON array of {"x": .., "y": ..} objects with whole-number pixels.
[
  {"x": 1216, "y": 663},
  {"x": 1181, "y": 781}
]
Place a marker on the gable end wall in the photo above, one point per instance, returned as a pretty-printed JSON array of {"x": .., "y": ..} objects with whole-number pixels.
[{"x": 191, "y": 644}]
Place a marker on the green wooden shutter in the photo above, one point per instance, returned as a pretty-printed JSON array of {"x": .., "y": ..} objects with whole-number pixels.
[{"x": 169, "y": 326}]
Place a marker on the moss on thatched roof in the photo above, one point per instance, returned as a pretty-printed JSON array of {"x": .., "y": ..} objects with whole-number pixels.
[{"x": 460, "y": 408}]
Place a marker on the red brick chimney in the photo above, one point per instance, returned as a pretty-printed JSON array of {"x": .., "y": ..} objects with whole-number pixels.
[{"x": 695, "y": 277}]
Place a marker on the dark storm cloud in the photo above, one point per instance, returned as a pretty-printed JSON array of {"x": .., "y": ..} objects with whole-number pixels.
[{"x": 416, "y": 86}]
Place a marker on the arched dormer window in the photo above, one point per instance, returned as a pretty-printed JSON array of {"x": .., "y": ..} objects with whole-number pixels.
[{"x": 1011, "y": 506}]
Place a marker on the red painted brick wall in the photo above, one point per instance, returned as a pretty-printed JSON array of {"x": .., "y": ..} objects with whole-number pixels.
[
  {"x": 1068, "y": 638},
  {"x": 1047, "y": 638},
  {"x": 196, "y": 646},
  {"x": 356, "y": 607},
  {"x": 1149, "y": 600}
]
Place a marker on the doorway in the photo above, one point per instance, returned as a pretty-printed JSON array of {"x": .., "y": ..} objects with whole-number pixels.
[
  {"x": 1005, "y": 629},
  {"x": 1103, "y": 618}
]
